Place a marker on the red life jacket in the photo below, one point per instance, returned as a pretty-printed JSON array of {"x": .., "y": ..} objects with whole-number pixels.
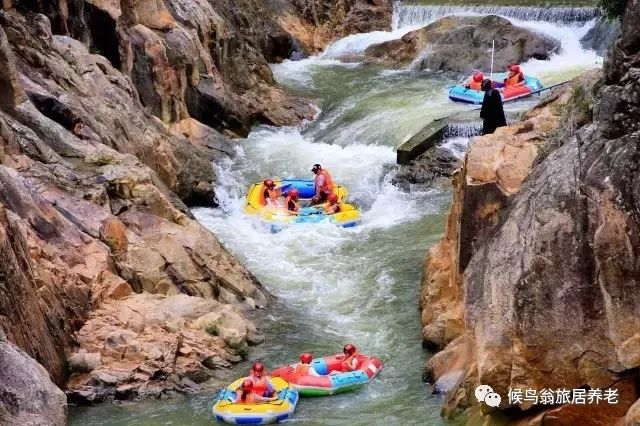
[
  {"x": 246, "y": 398},
  {"x": 348, "y": 363},
  {"x": 475, "y": 85},
  {"x": 260, "y": 384}
]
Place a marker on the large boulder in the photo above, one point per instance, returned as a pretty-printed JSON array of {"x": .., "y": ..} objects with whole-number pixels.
[
  {"x": 602, "y": 36},
  {"x": 148, "y": 345},
  {"x": 463, "y": 43},
  {"x": 29, "y": 397}
]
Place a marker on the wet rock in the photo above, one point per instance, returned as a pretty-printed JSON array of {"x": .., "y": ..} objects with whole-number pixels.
[
  {"x": 434, "y": 167},
  {"x": 460, "y": 43},
  {"x": 602, "y": 36},
  {"x": 29, "y": 397}
]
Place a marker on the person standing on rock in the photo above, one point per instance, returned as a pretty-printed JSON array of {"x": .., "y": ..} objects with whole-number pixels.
[{"x": 492, "y": 112}]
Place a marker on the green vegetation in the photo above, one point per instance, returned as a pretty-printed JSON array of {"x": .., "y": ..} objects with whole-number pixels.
[
  {"x": 613, "y": 9},
  {"x": 212, "y": 329},
  {"x": 237, "y": 345}
]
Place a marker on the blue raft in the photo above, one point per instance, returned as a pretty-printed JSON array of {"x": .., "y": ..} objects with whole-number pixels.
[{"x": 460, "y": 93}]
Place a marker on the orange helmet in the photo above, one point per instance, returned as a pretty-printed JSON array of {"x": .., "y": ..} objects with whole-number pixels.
[
  {"x": 332, "y": 198},
  {"x": 349, "y": 349},
  {"x": 306, "y": 358},
  {"x": 294, "y": 193},
  {"x": 247, "y": 385},
  {"x": 269, "y": 183},
  {"x": 478, "y": 76}
]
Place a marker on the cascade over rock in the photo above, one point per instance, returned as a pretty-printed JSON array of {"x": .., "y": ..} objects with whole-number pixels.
[
  {"x": 460, "y": 43},
  {"x": 534, "y": 285}
]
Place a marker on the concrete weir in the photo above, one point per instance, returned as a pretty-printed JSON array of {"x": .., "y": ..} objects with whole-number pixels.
[{"x": 431, "y": 135}]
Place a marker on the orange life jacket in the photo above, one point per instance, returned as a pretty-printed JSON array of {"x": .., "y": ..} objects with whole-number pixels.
[
  {"x": 514, "y": 80},
  {"x": 476, "y": 85},
  {"x": 302, "y": 369},
  {"x": 348, "y": 363},
  {"x": 328, "y": 181},
  {"x": 260, "y": 384}
]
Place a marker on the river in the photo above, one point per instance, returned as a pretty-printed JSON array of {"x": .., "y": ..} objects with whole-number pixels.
[{"x": 362, "y": 284}]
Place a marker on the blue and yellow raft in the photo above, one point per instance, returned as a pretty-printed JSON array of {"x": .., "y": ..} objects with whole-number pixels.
[
  {"x": 348, "y": 216},
  {"x": 228, "y": 411}
]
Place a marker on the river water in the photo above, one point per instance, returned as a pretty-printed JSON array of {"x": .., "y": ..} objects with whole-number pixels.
[{"x": 358, "y": 285}]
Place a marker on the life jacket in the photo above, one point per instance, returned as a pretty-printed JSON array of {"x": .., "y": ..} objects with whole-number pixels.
[
  {"x": 475, "y": 85},
  {"x": 260, "y": 384},
  {"x": 291, "y": 205},
  {"x": 327, "y": 187},
  {"x": 302, "y": 369},
  {"x": 514, "y": 80},
  {"x": 271, "y": 194},
  {"x": 348, "y": 363}
]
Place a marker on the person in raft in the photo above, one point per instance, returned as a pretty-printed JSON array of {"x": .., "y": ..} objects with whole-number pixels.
[
  {"x": 291, "y": 204},
  {"x": 331, "y": 206},
  {"x": 245, "y": 394},
  {"x": 303, "y": 368},
  {"x": 323, "y": 184},
  {"x": 261, "y": 384},
  {"x": 515, "y": 77},
  {"x": 476, "y": 81},
  {"x": 492, "y": 112},
  {"x": 271, "y": 193},
  {"x": 350, "y": 362}
]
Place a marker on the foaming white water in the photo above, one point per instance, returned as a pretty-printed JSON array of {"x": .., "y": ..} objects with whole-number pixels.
[
  {"x": 456, "y": 145},
  {"x": 355, "y": 44},
  {"x": 421, "y": 15},
  {"x": 300, "y": 73}
]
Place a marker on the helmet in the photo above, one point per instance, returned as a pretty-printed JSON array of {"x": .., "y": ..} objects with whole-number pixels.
[
  {"x": 258, "y": 367},
  {"x": 478, "y": 77},
  {"x": 306, "y": 358},
  {"x": 316, "y": 168},
  {"x": 515, "y": 68},
  {"x": 294, "y": 193},
  {"x": 269, "y": 183},
  {"x": 332, "y": 198},
  {"x": 349, "y": 349},
  {"x": 247, "y": 385}
]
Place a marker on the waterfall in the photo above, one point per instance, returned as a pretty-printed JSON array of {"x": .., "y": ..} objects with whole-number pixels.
[{"x": 405, "y": 15}]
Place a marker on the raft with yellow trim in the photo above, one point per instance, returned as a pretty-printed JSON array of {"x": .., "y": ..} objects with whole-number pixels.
[
  {"x": 278, "y": 217},
  {"x": 261, "y": 413}
]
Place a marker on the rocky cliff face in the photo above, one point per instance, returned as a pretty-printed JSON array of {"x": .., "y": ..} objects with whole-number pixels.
[
  {"x": 93, "y": 223},
  {"x": 535, "y": 283}
]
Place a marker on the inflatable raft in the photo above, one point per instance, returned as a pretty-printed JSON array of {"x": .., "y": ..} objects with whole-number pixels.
[
  {"x": 460, "y": 93},
  {"x": 329, "y": 384},
  {"x": 262, "y": 413},
  {"x": 278, "y": 217}
]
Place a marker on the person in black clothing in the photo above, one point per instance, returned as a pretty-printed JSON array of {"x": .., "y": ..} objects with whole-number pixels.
[{"x": 492, "y": 113}]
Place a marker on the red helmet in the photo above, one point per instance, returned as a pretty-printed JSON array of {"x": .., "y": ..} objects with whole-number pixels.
[
  {"x": 269, "y": 183},
  {"x": 258, "y": 367},
  {"x": 306, "y": 358},
  {"x": 478, "y": 77},
  {"x": 332, "y": 198},
  {"x": 515, "y": 68},
  {"x": 247, "y": 385},
  {"x": 349, "y": 349},
  {"x": 294, "y": 193}
]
